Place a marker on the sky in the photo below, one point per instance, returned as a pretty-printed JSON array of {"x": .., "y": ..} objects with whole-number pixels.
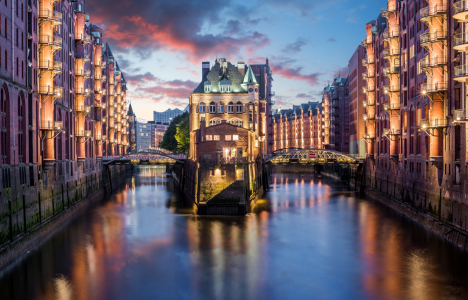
[{"x": 160, "y": 44}]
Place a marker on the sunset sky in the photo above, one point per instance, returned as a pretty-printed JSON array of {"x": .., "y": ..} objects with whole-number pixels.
[{"x": 160, "y": 44}]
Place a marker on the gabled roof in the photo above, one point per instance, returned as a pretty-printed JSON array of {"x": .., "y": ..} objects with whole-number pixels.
[{"x": 216, "y": 74}]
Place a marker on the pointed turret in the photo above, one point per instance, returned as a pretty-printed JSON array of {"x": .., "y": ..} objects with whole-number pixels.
[{"x": 249, "y": 78}]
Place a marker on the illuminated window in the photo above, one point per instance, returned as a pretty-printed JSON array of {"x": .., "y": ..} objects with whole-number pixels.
[
  {"x": 215, "y": 137},
  {"x": 235, "y": 137},
  {"x": 228, "y": 138},
  {"x": 215, "y": 121},
  {"x": 209, "y": 137}
]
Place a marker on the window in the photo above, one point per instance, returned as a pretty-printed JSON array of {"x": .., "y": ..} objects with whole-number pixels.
[
  {"x": 239, "y": 108},
  {"x": 236, "y": 122},
  {"x": 220, "y": 108},
  {"x": 212, "y": 108},
  {"x": 215, "y": 137},
  {"x": 202, "y": 107},
  {"x": 209, "y": 137},
  {"x": 231, "y": 108},
  {"x": 207, "y": 88},
  {"x": 215, "y": 121},
  {"x": 228, "y": 138},
  {"x": 235, "y": 137}
]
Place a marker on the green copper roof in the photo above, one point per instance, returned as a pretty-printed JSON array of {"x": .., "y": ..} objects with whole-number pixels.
[{"x": 249, "y": 77}]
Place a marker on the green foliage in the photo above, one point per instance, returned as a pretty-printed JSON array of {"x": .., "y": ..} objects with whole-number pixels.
[
  {"x": 169, "y": 141},
  {"x": 183, "y": 136}
]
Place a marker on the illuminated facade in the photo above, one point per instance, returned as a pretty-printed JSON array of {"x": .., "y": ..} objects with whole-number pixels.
[
  {"x": 234, "y": 103},
  {"x": 299, "y": 127}
]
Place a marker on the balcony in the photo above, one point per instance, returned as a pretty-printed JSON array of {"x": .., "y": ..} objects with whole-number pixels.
[
  {"x": 51, "y": 126},
  {"x": 391, "y": 8},
  {"x": 50, "y": 65},
  {"x": 50, "y": 40},
  {"x": 460, "y": 10},
  {"x": 391, "y": 71},
  {"x": 460, "y": 116},
  {"x": 387, "y": 89},
  {"x": 103, "y": 64},
  {"x": 393, "y": 32},
  {"x": 53, "y": 16},
  {"x": 388, "y": 132},
  {"x": 83, "y": 38},
  {"x": 439, "y": 87},
  {"x": 460, "y": 42},
  {"x": 367, "y": 117},
  {"x": 100, "y": 105},
  {"x": 366, "y": 42},
  {"x": 367, "y": 89},
  {"x": 433, "y": 37},
  {"x": 461, "y": 73},
  {"x": 83, "y": 73},
  {"x": 434, "y": 11},
  {"x": 83, "y": 109},
  {"x": 433, "y": 123},
  {"x": 390, "y": 53},
  {"x": 368, "y": 137},
  {"x": 434, "y": 62},
  {"x": 82, "y": 91},
  {"x": 83, "y": 133},
  {"x": 367, "y": 61},
  {"x": 367, "y": 75},
  {"x": 51, "y": 91},
  {"x": 388, "y": 107},
  {"x": 83, "y": 56},
  {"x": 272, "y": 93},
  {"x": 103, "y": 77}
]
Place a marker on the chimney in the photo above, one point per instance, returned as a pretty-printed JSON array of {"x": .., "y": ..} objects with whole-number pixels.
[
  {"x": 241, "y": 67},
  {"x": 205, "y": 68},
  {"x": 202, "y": 129}
]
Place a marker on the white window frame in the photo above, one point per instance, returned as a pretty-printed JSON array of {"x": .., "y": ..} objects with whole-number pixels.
[
  {"x": 231, "y": 107},
  {"x": 239, "y": 105},
  {"x": 212, "y": 108},
  {"x": 220, "y": 108},
  {"x": 202, "y": 108}
]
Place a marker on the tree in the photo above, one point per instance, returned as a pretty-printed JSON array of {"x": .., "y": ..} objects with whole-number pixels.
[
  {"x": 169, "y": 141},
  {"x": 183, "y": 136}
]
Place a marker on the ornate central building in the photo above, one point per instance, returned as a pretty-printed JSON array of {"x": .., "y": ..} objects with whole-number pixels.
[{"x": 228, "y": 111}]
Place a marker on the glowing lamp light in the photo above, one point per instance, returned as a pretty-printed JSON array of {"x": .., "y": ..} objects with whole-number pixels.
[{"x": 424, "y": 92}]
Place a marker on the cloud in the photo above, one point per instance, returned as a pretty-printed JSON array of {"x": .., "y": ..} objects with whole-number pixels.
[
  {"x": 332, "y": 40},
  {"x": 175, "y": 26},
  {"x": 303, "y": 95},
  {"x": 295, "y": 74},
  {"x": 295, "y": 47},
  {"x": 303, "y": 8},
  {"x": 343, "y": 71}
]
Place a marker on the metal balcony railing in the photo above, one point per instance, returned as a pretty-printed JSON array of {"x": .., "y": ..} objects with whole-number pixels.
[
  {"x": 391, "y": 131},
  {"x": 434, "y": 62},
  {"x": 58, "y": 67},
  {"x": 460, "y": 10},
  {"x": 367, "y": 117},
  {"x": 391, "y": 106},
  {"x": 51, "y": 15},
  {"x": 366, "y": 42},
  {"x": 391, "y": 70},
  {"x": 81, "y": 91},
  {"x": 83, "y": 109},
  {"x": 434, "y": 88},
  {"x": 432, "y": 11},
  {"x": 50, "y": 40},
  {"x": 368, "y": 75},
  {"x": 391, "y": 88},
  {"x": 433, "y": 37},
  {"x": 82, "y": 55},
  {"x": 100, "y": 105},
  {"x": 392, "y": 32},
  {"x": 103, "y": 64},
  {"x": 461, "y": 71},
  {"x": 50, "y": 90},
  {"x": 391, "y": 8},
  {"x": 460, "y": 41},
  {"x": 368, "y": 137},
  {"x": 83, "y": 73},
  {"x": 460, "y": 115},
  {"x": 367, "y": 89},
  {"x": 83, "y": 37},
  {"x": 389, "y": 53},
  {"x": 52, "y": 125},
  {"x": 433, "y": 123},
  {"x": 367, "y": 61},
  {"x": 83, "y": 133}
]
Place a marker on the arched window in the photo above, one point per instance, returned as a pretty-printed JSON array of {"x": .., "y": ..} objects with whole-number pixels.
[
  {"x": 215, "y": 122},
  {"x": 238, "y": 108},
  {"x": 236, "y": 122},
  {"x": 212, "y": 108},
  {"x": 221, "y": 108},
  {"x": 202, "y": 108},
  {"x": 231, "y": 108}
]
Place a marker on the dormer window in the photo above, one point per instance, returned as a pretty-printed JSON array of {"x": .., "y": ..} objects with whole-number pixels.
[
  {"x": 225, "y": 85},
  {"x": 207, "y": 87}
]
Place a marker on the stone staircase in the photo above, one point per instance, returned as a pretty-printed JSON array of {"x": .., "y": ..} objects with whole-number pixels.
[{"x": 232, "y": 194}]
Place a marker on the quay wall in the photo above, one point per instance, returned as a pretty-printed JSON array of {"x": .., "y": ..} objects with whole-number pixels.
[{"x": 35, "y": 202}]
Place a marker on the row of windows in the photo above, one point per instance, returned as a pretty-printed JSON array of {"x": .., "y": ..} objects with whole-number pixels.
[
  {"x": 235, "y": 122},
  {"x": 201, "y": 108},
  {"x": 227, "y": 137}
]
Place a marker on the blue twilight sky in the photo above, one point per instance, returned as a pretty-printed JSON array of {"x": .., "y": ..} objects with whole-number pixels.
[{"x": 160, "y": 44}]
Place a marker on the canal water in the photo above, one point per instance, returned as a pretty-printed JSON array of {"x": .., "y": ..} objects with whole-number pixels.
[{"x": 311, "y": 238}]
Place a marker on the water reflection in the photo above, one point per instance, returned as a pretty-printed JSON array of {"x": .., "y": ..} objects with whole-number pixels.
[{"x": 310, "y": 238}]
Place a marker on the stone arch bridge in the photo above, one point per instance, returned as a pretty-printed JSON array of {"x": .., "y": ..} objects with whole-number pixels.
[{"x": 149, "y": 157}]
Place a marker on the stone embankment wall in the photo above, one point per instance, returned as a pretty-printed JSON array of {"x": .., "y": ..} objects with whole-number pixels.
[
  {"x": 439, "y": 204},
  {"x": 30, "y": 210}
]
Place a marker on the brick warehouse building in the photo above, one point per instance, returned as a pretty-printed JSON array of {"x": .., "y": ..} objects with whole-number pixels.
[
  {"x": 235, "y": 101},
  {"x": 62, "y": 97},
  {"x": 416, "y": 109},
  {"x": 299, "y": 127}
]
